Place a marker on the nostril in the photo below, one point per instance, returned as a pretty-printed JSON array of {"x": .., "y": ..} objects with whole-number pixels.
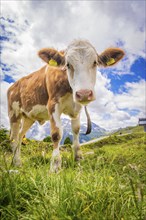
[
  {"x": 78, "y": 95},
  {"x": 90, "y": 93},
  {"x": 84, "y": 95}
]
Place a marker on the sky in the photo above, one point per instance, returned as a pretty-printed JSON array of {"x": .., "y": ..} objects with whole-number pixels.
[{"x": 28, "y": 26}]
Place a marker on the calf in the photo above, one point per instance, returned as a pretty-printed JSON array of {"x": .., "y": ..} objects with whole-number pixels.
[{"x": 64, "y": 85}]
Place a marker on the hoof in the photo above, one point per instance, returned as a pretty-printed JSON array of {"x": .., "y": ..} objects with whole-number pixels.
[
  {"x": 16, "y": 163},
  {"x": 55, "y": 165},
  {"x": 78, "y": 156}
]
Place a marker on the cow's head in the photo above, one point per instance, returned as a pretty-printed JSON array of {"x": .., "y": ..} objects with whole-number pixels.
[{"x": 81, "y": 60}]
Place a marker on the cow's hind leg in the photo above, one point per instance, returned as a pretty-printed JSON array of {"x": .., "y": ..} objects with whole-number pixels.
[
  {"x": 75, "y": 123},
  {"x": 18, "y": 132},
  {"x": 14, "y": 138}
]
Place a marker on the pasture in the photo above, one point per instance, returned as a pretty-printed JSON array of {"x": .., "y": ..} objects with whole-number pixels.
[{"x": 109, "y": 184}]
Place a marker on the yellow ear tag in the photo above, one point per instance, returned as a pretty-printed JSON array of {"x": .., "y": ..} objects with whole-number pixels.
[
  {"x": 111, "y": 61},
  {"x": 52, "y": 62}
]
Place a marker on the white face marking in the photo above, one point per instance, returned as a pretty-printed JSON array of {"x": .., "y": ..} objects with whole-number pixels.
[{"x": 81, "y": 59}]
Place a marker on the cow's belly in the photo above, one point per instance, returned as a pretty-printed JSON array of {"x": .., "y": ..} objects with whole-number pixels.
[
  {"x": 69, "y": 107},
  {"x": 38, "y": 113}
]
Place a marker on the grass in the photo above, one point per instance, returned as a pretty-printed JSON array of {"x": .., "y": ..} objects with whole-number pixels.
[{"x": 109, "y": 184}]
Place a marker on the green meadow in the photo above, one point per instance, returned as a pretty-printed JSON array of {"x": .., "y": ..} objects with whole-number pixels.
[{"x": 108, "y": 184}]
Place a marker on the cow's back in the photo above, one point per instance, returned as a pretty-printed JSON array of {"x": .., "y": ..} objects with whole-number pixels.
[
  {"x": 33, "y": 90},
  {"x": 26, "y": 93}
]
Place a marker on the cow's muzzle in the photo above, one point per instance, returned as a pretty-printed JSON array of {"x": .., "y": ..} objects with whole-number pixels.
[{"x": 84, "y": 96}]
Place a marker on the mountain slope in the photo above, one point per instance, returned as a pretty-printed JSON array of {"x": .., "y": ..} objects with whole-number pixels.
[{"x": 40, "y": 132}]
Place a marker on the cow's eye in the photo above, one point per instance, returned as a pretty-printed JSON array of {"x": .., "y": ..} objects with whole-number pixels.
[
  {"x": 94, "y": 63},
  {"x": 68, "y": 65}
]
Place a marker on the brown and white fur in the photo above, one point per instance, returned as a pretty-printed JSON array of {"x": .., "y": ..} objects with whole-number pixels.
[{"x": 53, "y": 90}]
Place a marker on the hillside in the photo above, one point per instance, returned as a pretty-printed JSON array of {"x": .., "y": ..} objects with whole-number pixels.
[
  {"x": 108, "y": 184},
  {"x": 127, "y": 130},
  {"x": 40, "y": 132}
]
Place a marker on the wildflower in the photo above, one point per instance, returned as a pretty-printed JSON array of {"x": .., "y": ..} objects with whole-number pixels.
[
  {"x": 111, "y": 178},
  {"x": 124, "y": 167},
  {"x": 43, "y": 153}
]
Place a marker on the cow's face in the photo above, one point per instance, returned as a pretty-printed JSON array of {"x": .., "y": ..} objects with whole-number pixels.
[
  {"x": 80, "y": 60},
  {"x": 81, "y": 63}
]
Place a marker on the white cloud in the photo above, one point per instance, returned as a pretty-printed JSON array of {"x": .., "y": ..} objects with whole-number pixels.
[
  {"x": 39, "y": 24},
  {"x": 3, "y": 104},
  {"x": 58, "y": 23},
  {"x": 112, "y": 111},
  {"x": 134, "y": 98}
]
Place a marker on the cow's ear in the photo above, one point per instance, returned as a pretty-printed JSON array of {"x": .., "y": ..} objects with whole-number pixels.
[
  {"x": 52, "y": 56},
  {"x": 110, "y": 57}
]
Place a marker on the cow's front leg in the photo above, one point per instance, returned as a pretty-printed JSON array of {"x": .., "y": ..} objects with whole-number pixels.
[
  {"x": 75, "y": 123},
  {"x": 56, "y": 134}
]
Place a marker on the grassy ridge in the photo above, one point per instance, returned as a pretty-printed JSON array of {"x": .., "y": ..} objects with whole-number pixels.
[{"x": 108, "y": 184}]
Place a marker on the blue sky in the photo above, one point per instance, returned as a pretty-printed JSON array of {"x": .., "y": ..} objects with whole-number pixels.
[
  {"x": 28, "y": 26},
  {"x": 136, "y": 73}
]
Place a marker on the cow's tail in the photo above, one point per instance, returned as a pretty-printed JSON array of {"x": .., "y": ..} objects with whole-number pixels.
[{"x": 89, "y": 126}]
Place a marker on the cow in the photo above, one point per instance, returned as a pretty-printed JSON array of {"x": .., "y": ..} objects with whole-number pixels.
[{"x": 64, "y": 85}]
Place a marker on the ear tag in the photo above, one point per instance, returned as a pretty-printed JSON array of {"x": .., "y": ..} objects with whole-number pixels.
[
  {"x": 110, "y": 61},
  {"x": 52, "y": 62}
]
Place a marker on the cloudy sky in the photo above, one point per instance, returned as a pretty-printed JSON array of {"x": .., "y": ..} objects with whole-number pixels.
[{"x": 27, "y": 26}]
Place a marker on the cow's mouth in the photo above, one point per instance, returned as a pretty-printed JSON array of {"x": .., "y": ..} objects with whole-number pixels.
[
  {"x": 84, "y": 102},
  {"x": 84, "y": 96}
]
